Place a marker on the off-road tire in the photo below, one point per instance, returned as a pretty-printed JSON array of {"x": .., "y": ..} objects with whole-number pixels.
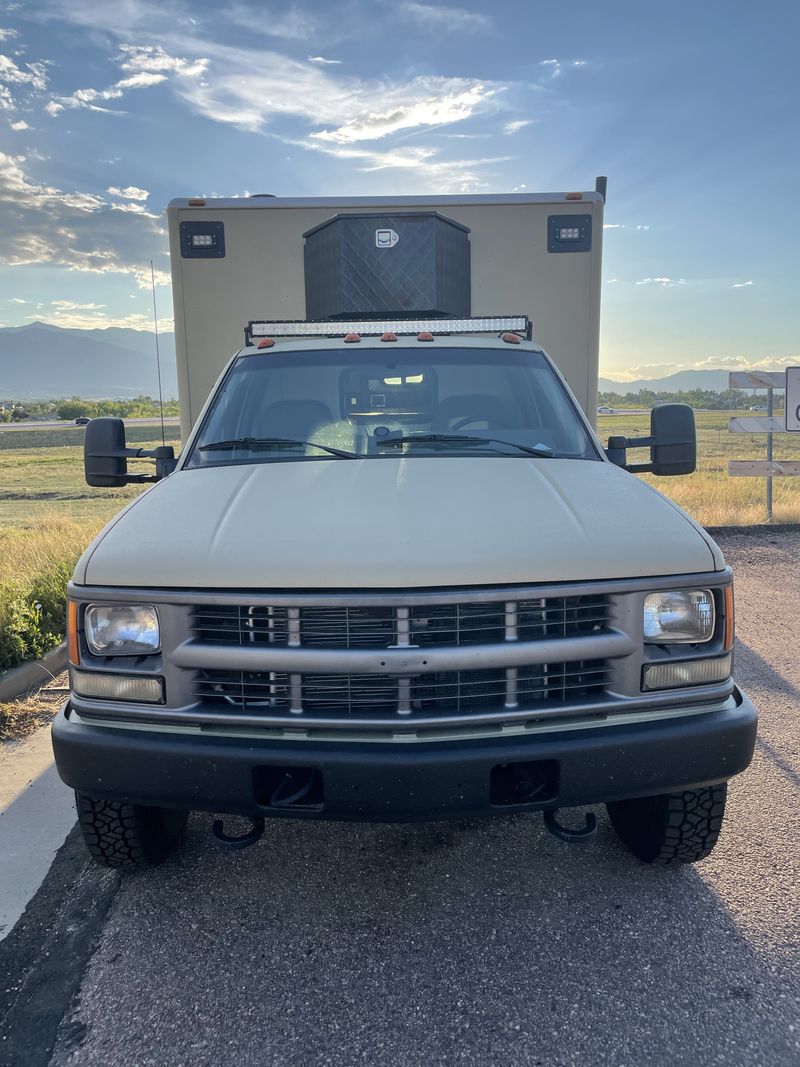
[
  {"x": 128, "y": 836},
  {"x": 670, "y": 830}
]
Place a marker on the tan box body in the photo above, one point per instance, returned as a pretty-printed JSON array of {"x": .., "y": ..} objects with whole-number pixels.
[{"x": 261, "y": 276}]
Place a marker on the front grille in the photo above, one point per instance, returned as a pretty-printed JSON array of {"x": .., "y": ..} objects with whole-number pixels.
[
  {"x": 377, "y": 627},
  {"x": 437, "y": 627},
  {"x": 355, "y": 696}
]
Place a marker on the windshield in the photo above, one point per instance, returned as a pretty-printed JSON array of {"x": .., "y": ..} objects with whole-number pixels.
[{"x": 331, "y": 404}]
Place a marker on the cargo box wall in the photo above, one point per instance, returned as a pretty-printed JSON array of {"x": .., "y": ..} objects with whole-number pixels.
[{"x": 253, "y": 268}]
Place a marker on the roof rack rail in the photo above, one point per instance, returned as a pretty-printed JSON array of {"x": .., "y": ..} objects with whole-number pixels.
[{"x": 375, "y": 327}]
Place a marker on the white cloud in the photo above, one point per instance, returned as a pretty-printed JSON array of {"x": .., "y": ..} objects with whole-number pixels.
[
  {"x": 663, "y": 282},
  {"x": 516, "y": 125},
  {"x": 612, "y": 225},
  {"x": 76, "y": 230},
  {"x": 555, "y": 67},
  {"x": 450, "y": 175},
  {"x": 130, "y": 192},
  {"x": 69, "y": 305},
  {"x": 152, "y": 59},
  {"x": 324, "y": 62},
  {"x": 441, "y": 17},
  {"x": 20, "y": 125},
  {"x": 625, "y": 226},
  {"x": 34, "y": 74},
  {"x": 146, "y": 66},
  {"x": 6, "y": 34},
  {"x": 611, "y": 281},
  {"x": 438, "y": 101},
  {"x": 17, "y": 300},
  {"x": 741, "y": 285}
]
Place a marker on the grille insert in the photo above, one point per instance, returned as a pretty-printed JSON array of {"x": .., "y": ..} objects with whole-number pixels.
[{"x": 364, "y": 695}]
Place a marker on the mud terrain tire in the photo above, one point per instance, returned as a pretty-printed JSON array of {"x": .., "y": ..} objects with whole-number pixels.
[
  {"x": 128, "y": 836},
  {"x": 670, "y": 830}
]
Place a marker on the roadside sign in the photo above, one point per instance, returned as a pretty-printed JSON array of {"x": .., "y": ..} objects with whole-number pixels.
[
  {"x": 757, "y": 424},
  {"x": 766, "y": 468},
  {"x": 756, "y": 379},
  {"x": 743, "y": 468},
  {"x": 793, "y": 399}
]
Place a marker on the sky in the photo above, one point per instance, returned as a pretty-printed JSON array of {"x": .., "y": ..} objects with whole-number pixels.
[{"x": 108, "y": 110}]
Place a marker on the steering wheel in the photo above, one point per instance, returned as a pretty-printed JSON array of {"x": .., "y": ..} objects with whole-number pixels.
[{"x": 466, "y": 420}]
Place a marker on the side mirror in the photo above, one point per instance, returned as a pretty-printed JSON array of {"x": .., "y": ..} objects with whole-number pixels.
[
  {"x": 672, "y": 443},
  {"x": 105, "y": 457},
  {"x": 674, "y": 447},
  {"x": 104, "y": 454}
]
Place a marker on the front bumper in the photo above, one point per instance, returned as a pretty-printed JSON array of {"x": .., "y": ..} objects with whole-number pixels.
[{"x": 384, "y": 782}]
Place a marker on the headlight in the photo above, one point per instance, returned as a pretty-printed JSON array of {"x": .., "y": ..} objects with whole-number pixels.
[
  {"x": 685, "y": 615},
  {"x": 122, "y": 629}
]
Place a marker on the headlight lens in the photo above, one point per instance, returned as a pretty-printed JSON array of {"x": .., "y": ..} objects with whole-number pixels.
[
  {"x": 122, "y": 629},
  {"x": 678, "y": 615},
  {"x": 685, "y": 615}
]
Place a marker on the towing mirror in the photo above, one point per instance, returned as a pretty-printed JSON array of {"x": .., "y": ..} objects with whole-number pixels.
[
  {"x": 672, "y": 443},
  {"x": 105, "y": 456},
  {"x": 104, "y": 459}
]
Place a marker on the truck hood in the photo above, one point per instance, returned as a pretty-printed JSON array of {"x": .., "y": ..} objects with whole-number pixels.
[{"x": 396, "y": 523}]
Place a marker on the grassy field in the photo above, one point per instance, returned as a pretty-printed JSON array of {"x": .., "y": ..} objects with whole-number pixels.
[
  {"x": 710, "y": 495},
  {"x": 48, "y": 514}
]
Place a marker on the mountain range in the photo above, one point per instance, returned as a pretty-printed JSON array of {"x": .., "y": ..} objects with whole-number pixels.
[
  {"x": 40, "y": 361},
  {"x": 683, "y": 380}
]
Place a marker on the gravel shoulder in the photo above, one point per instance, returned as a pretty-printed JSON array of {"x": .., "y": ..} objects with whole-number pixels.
[{"x": 477, "y": 942}]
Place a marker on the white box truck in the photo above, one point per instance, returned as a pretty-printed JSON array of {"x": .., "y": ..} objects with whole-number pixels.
[{"x": 394, "y": 574}]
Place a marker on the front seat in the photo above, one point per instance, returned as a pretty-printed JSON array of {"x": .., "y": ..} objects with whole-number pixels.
[
  {"x": 477, "y": 407},
  {"x": 297, "y": 419}
]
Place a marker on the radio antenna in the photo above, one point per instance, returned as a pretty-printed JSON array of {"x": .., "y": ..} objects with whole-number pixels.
[{"x": 158, "y": 355}]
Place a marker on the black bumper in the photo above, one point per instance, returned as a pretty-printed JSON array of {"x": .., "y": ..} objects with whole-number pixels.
[{"x": 400, "y": 782}]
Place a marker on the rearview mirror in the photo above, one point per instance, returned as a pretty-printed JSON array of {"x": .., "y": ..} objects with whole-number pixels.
[
  {"x": 672, "y": 443},
  {"x": 105, "y": 456}
]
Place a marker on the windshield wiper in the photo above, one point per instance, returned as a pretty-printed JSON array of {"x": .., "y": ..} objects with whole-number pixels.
[
  {"x": 266, "y": 444},
  {"x": 541, "y": 450}
]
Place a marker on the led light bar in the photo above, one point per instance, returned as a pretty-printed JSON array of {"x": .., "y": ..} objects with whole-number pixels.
[{"x": 376, "y": 327}]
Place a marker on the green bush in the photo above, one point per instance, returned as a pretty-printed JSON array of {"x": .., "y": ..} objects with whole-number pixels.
[{"x": 35, "y": 566}]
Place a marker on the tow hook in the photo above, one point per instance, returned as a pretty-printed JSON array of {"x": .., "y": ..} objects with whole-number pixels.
[
  {"x": 566, "y": 833},
  {"x": 245, "y": 840}
]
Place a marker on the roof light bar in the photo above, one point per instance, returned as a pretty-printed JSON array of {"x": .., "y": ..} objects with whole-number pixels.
[{"x": 376, "y": 327}]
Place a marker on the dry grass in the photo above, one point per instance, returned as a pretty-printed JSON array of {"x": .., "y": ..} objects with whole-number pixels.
[
  {"x": 19, "y": 718},
  {"x": 710, "y": 495}
]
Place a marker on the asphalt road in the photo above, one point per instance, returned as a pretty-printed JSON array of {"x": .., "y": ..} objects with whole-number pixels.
[
  {"x": 66, "y": 424},
  {"x": 485, "y": 942}
]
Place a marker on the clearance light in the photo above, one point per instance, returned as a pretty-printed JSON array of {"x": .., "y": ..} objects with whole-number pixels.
[
  {"x": 691, "y": 672},
  {"x": 352, "y": 338},
  {"x": 266, "y": 342},
  {"x": 388, "y": 336},
  {"x": 197, "y": 203},
  {"x": 511, "y": 338},
  {"x": 133, "y": 688},
  {"x": 400, "y": 327},
  {"x": 425, "y": 335}
]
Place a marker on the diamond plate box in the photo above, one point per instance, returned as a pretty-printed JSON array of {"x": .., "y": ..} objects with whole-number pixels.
[{"x": 381, "y": 265}]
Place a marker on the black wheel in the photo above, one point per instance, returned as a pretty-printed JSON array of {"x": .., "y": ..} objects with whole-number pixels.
[
  {"x": 673, "y": 829},
  {"x": 128, "y": 836}
]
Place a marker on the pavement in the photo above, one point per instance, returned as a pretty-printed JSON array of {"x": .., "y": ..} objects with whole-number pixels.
[{"x": 476, "y": 942}]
